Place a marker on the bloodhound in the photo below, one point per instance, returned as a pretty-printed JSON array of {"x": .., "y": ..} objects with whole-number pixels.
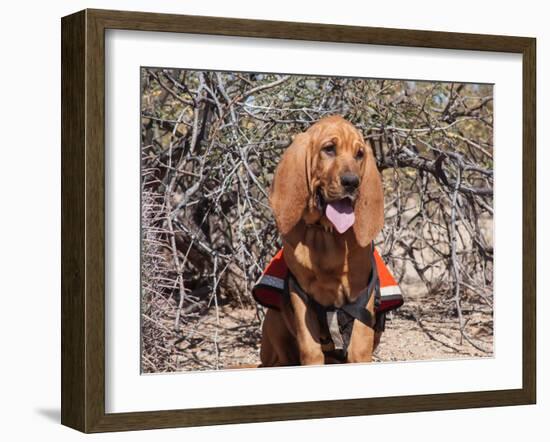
[{"x": 328, "y": 204}]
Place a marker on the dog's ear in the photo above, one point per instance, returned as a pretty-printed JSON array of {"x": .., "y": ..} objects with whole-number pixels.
[
  {"x": 290, "y": 188},
  {"x": 369, "y": 206}
]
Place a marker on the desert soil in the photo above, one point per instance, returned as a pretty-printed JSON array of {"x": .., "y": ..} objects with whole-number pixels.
[{"x": 231, "y": 338}]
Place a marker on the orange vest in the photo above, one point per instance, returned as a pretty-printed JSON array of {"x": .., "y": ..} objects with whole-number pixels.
[{"x": 269, "y": 288}]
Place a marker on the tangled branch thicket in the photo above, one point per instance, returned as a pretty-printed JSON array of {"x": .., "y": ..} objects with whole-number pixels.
[{"x": 210, "y": 144}]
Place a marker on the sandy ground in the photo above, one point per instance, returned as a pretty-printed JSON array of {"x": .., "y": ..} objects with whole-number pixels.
[{"x": 232, "y": 337}]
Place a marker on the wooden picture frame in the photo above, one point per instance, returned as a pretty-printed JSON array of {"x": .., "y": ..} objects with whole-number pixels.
[{"x": 83, "y": 220}]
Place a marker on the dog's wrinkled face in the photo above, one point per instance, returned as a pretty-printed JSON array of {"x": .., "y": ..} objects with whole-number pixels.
[
  {"x": 338, "y": 156},
  {"x": 328, "y": 176}
]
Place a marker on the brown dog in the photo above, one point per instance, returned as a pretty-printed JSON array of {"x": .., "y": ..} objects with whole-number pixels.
[{"x": 328, "y": 204}]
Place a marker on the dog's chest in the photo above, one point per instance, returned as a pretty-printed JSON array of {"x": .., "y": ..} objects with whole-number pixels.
[
  {"x": 323, "y": 266},
  {"x": 322, "y": 252}
]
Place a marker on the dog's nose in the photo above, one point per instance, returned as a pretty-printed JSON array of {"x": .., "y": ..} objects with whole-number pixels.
[{"x": 349, "y": 181}]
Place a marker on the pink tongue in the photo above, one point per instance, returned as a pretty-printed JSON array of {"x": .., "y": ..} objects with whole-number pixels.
[{"x": 340, "y": 213}]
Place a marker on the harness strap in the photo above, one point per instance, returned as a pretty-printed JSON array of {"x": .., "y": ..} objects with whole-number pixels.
[
  {"x": 339, "y": 321},
  {"x": 356, "y": 309}
]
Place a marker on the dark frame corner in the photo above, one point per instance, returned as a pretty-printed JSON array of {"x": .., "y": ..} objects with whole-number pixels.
[{"x": 83, "y": 235}]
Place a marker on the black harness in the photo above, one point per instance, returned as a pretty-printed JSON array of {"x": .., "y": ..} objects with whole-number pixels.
[{"x": 337, "y": 323}]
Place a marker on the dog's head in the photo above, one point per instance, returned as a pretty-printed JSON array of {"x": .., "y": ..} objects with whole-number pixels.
[{"x": 329, "y": 174}]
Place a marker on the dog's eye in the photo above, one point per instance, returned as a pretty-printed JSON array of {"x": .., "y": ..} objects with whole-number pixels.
[
  {"x": 330, "y": 150},
  {"x": 360, "y": 154}
]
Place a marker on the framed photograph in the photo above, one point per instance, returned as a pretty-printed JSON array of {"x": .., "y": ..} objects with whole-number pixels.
[{"x": 268, "y": 220}]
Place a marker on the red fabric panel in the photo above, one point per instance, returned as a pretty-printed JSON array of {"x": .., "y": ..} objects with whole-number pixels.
[
  {"x": 268, "y": 297},
  {"x": 391, "y": 304}
]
